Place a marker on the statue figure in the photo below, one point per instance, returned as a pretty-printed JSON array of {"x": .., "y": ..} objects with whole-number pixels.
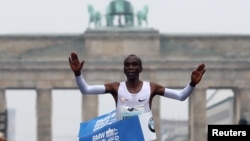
[
  {"x": 122, "y": 9},
  {"x": 129, "y": 17},
  {"x": 118, "y": 6},
  {"x": 94, "y": 16},
  {"x": 142, "y": 16},
  {"x": 109, "y": 18}
]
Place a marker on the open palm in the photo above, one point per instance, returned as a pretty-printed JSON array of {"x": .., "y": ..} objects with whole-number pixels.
[
  {"x": 197, "y": 74},
  {"x": 75, "y": 64}
]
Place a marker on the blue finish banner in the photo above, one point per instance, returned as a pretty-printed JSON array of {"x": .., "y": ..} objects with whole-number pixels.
[{"x": 107, "y": 128}]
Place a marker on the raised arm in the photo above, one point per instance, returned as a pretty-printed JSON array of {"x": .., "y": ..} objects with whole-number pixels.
[
  {"x": 76, "y": 67},
  {"x": 181, "y": 94}
]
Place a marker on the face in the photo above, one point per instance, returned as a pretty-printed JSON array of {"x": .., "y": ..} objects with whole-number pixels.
[{"x": 132, "y": 67}]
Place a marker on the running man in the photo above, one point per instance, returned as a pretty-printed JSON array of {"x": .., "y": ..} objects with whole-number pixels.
[{"x": 133, "y": 94}]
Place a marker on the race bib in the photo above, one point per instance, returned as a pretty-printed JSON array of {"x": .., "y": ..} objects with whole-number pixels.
[{"x": 127, "y": 112}]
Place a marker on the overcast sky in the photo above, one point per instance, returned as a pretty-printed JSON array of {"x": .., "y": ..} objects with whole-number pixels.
[
  {"x": 169, "y": 16},
  {"x": 71, "y": 17}
]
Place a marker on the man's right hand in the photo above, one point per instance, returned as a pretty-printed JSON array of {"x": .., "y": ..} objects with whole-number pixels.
[{"x": 75, "y": 65}]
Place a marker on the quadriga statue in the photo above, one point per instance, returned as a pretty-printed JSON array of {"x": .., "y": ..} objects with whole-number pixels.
[{"x": 122, "y": 9}]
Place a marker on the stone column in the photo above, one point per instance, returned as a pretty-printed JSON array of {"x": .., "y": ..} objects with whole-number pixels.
[
  {"x": 237, "y": 105},
  {"x": 197, "y": 115},
  {"x": 44, "y": 110},
  {"x": 2, "y": 110},
  {"x": 156, "y": 116},
  {"x": 89, "y": 107},
  {"x": 245, "y": 103},
  {"x": 2, "y": 100}
]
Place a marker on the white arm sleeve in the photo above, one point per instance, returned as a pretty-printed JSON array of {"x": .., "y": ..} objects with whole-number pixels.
[
  {"x": 86, "y": 89},
  {"x": 179, "y": 94}
]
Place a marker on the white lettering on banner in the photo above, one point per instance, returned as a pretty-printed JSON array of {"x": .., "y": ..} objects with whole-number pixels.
[
  {"x": 112, "y": 135},
  {"x": 105, "y": 121},
  {"x": 109, "y": 135},
  {"x": 98, "y": 136},
  {"x": 108, "y": 128}
]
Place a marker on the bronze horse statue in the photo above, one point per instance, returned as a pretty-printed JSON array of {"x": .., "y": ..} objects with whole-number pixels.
[
  {"x": 142, "y": 16},
  {"x": 94, "y": 16}
]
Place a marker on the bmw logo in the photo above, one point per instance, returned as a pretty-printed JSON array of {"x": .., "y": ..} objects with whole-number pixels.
[{"x": 151, "y": 125}]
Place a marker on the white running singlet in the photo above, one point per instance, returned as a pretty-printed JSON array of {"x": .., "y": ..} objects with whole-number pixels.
[{"x": 129, "y": 104}]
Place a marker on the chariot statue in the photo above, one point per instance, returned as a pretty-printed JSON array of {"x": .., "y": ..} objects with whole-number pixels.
[{"x": 121, "y": 10}]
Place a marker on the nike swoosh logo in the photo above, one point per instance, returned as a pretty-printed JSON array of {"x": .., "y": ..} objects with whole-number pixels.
[{"x": 141, "y": 100}]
